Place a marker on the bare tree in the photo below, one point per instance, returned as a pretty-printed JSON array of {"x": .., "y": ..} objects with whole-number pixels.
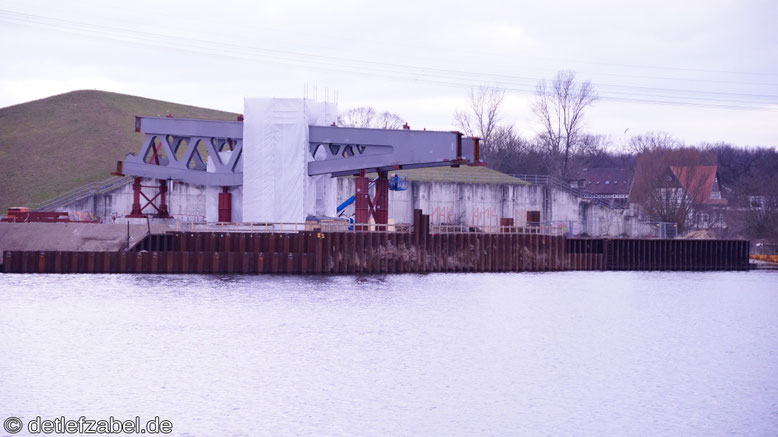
[
  {"x": 508, "y": 151},
  {"x": 560, "y": 109},
  {"x": 653, "y": 141},
  {"x": 505, "y": 138},
  {"x": 483, "y": 114},
  {"x": 760, "y": 219},
  {"x": 753, "y": 191},
  {"x": 365, "y": 116},
  {"x": 589, "y": 150},
  {"x": 389, "y": 120}
]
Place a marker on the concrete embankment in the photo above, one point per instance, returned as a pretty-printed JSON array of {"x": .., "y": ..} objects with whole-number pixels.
[{"x": 73, "y": 237}]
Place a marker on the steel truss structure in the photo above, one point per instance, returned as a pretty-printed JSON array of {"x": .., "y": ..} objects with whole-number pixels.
[{"x": 181, "y": 149}]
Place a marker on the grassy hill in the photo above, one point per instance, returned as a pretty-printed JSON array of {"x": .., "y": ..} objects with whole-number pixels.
[{"x": 53, "y": 145}]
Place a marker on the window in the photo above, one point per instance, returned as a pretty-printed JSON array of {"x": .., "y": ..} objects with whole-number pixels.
[{"x": 607, "y": 182}]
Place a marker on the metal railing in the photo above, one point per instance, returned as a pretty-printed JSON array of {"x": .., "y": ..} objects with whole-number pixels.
[
  {"x": 431, "y": 175},
  {"x": 339, "y": 226},
  {"x": 657, "y": 230},
  {"x": 633, "y": 229},
  {"x": 441, "y": 176},
  {"x": 564, "y": 186},
  {"x": 543, "y": 228},
  {"x": 81, "y": 192}
]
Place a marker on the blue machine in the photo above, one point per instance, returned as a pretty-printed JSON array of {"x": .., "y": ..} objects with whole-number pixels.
[
  {"x": 397, "y": 183},
  {"x": 343, "y": 205}
]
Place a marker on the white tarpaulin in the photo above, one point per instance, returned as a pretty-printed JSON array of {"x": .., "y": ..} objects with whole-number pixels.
[{"x": 276, "y": 186}]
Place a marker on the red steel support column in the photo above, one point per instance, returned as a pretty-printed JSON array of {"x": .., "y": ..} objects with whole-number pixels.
[
  {"x": 162, "y": 211},
  {"x": 381, "y": 211},
  {"x": 136, "y": 208},
  {"x": 361, "y": 198},
  {"x": 225, "y": 205}
]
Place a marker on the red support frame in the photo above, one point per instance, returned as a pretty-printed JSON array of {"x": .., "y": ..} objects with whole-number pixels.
[
  {"x": 378, "y": 207},
  {"x": 162, "y": 211},
  {"x": 136, "y": 211},
  {"x": 137, "y": 191}
]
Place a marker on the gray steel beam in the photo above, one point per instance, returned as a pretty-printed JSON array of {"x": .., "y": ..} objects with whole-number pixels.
[
  {"x": 344, "y": 150},
  {"x": 197, "y": 177},
  {"x": 469, "y": 146},
  {"x": 189, "y": 127},
  {"x": 171, "y": 134}
]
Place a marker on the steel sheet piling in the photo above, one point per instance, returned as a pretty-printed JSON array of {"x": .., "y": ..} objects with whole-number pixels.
[{"x": 386, "y": 252}]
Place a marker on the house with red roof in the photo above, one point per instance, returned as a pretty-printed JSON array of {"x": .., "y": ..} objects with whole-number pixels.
[
  {"x": 690, "y": 190},
  {"x": 701, "y": 181}
]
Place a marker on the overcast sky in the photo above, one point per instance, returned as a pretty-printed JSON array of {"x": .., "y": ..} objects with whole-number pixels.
[{"x": 700, "y": 70}]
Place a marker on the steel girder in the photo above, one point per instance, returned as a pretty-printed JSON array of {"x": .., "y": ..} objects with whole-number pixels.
[
  {"x": 170, "y": 150},
  {"x": 345, "y": 151},
  {"x": 172, "y": 145}
]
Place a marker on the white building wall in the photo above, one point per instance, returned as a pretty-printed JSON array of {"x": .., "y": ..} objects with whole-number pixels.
[
  {"x": 186, "y": 202},
  {"x": 483, "y": 205},
  {"x": 455, "y": 203}
]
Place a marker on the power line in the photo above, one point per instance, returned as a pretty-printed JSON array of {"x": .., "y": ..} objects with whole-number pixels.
[
  {"x": 492, "y": 77},
  {"x": 455, "y": 78},
  {"x": 502, "y": 55}
]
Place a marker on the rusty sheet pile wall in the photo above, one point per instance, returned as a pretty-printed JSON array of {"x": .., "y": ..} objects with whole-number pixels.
[
  {"x": 382, "y": 252},
  {"x": 312, "y": 252}
]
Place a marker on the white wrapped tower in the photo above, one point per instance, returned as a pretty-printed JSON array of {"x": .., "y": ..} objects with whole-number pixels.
[{"x": 276, "y": 185}]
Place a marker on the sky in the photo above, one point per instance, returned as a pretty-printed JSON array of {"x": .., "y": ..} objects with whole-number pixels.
[{"x": 702, "y": 71}]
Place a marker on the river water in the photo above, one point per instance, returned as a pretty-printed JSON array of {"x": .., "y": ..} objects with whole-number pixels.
[{"x": 571, "y": 353}]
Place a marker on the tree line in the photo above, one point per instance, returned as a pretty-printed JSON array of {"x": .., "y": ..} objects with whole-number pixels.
[{"x": 747, "y": 177}]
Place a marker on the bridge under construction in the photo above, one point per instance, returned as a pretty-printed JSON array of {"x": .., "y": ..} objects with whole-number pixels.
[
  {"x": 277, "y": 166},
  {"x": 284, "y": 155}
]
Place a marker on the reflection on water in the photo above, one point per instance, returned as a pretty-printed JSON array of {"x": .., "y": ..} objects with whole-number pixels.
[{"x": 583, "y": 353}]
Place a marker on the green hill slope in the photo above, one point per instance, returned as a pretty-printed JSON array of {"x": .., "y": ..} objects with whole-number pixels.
[{"x": 53, "y": 145}]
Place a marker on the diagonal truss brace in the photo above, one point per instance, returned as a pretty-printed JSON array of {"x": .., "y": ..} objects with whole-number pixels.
[{"x": 165, "y": 138}]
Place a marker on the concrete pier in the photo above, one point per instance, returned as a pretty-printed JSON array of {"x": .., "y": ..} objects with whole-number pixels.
[{"x": 78, "y": 237}]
